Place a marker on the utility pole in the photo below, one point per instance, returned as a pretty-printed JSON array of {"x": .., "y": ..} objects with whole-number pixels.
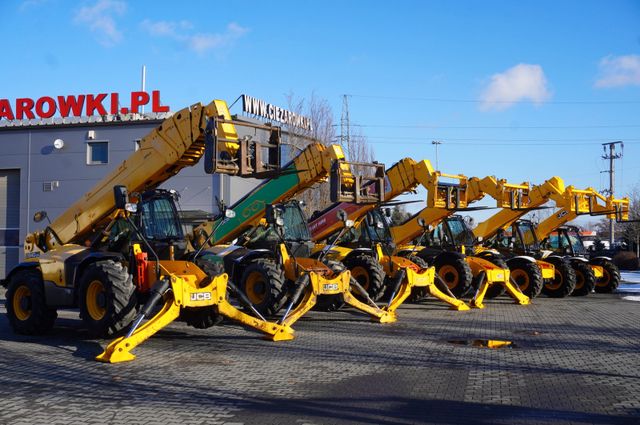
[
  {"x": 436, "y": 143},
  {"x": 144, "y": 82},
  {"x": 612, "y": 156},
  {"x": 345, "y": 126}
]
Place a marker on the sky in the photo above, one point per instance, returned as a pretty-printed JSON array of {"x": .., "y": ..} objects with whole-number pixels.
[{"x": 520, "y": 90}]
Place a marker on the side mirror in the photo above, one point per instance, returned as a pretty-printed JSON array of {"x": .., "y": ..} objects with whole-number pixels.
[
  {"x": 121, "y": 196},
  {"x": 422, "y": 223},
  {"x": 39, "y": 216},
  {"x": 229, "y": 213},
  {"x": 342, "y": 216},
  {"x": 387, "y": 212},
  {"x": 273, "y": 215}
]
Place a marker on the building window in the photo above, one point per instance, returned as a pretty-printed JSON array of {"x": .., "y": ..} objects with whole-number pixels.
[{"x": 97, "y": 153}]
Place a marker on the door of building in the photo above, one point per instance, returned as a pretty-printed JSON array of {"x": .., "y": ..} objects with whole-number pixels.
[{"x": 9, "y": 220}]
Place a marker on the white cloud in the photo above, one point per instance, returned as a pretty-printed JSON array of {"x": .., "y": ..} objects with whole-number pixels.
[
  {"x": 28, "y": 4},
  {"x": 165, "y": 28},
  {"x": 100, "y": 19},
  {"x": 200, "y": 43},
  {"x": 521, "y": 82},
  {"x": 618, "y": 71}
]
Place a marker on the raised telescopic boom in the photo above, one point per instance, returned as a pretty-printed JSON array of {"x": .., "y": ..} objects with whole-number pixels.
[
  {"x": 312, "y": 165},
  {"x": 178, "y": 142},
  {"x": 516, "y": 201},
  {"x": 400, "y": 178},
  {"x": 575, "y": 202}
]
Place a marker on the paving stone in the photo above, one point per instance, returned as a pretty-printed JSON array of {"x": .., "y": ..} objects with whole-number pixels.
[{"x": 575, "y": 360}]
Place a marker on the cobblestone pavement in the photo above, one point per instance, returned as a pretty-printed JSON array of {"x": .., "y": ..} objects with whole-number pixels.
[{"x": 575, "y": 360}]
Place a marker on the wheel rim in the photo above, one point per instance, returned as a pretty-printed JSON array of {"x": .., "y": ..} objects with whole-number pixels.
[
  {"x": 361, "y": 275},
  {"x": 96, "y": 300},
  {"x": 450, "y": 275},
  {"x": 521, "y": 278},
  {"x": 256, "y": 287},
  {"x": 604, "y": 280},
  {"x": 557, "y": 282},
  {"x": 22, "y": 303},
  {"x": 579, "y": 280}
]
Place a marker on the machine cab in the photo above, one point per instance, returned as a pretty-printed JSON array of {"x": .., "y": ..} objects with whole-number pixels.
[
  {"x": 373, "y": 229},
  {"x": 291, "y": 228},
  {"x": 451, "y": 235},
  {"x": 156, "y": 217},
  {"x": 567, "y": 241}
]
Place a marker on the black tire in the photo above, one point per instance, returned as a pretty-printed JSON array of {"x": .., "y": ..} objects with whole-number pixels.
[
  {"x": 455, "y": 272},
  {"x": 26, "y": 304},
  {"x": 369, "y": 273},
  {"x": 331, "y": 302},
  {"x": 263, "y": 283},
  {"x": 564, "y": 281},
  {"x": 585, "y": 278},
  {"x": 493, "y": 291},
  {"x": 610, "y": 281},
  {"x": 527, "y": 275},
  {"x": 108, "y": 299},
  {"x": 418, "y": 293},
  {"x": 204, "y": 317}
]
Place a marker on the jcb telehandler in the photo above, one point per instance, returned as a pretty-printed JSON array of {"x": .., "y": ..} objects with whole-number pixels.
[
  {"x": 447, "y": 246},
  {"x": 98, "y": 258},
  {"x": 604, "y": 276},
  {"x": 269, "y": 260},
  {"x": 368, "y": 249}
]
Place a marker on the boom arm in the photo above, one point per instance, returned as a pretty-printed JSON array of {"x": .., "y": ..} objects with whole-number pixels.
[
  {"x": 401, "y": 177},
  {"x": 574, "y": 202},
  {"x": 443, "y": 199},
  {"x": 177, "y": 143},
  {"x": 314, "y": 164},
  {"x": 515, "y": 201}
]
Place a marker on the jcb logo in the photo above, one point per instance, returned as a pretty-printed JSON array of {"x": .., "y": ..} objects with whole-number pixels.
[
  {"x": 562, "y": 214},
  {"x": 255, "y": 207},
  {"x": 330, "y": 287},
  {"x": 200, "y": 296}
]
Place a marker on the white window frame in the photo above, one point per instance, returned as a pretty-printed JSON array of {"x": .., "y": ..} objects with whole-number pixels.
[{"x": 89, "y": 143}]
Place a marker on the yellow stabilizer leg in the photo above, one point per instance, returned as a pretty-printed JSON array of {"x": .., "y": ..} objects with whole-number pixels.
[
  {"x": 516, "y": 294},
  {"x": 425, "y": 278},
  {"x": 120, "y": 349},
  {"x": 454, "y": 303},
  {"x": 377, "y": 314},
  {"x": 305, "y": 305},
  {"x": 476, "y": 302},
  {"x": 185, "y": 293},
  {"x": 319, "y": 285}
]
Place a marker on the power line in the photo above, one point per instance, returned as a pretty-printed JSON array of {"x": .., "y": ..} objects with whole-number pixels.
[
  {"x": 494, "y": 127},
  {"x": 481, "y": 143},
  {"x": 479, "y": 139},
  {"x": 449, "y": 100}
]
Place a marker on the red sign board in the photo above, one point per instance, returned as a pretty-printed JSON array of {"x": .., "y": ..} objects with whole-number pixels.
[{"x": 78, "y": 105}]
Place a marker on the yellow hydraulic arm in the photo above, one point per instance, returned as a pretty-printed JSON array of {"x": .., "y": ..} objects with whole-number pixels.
[
  {"x": 443, "y": 199},
  {"x": 313, "y": 165},
  {"x": 178, "y": 142},
  {"x": 574, "y": 202},
  {"x": 515, "y": 201}
]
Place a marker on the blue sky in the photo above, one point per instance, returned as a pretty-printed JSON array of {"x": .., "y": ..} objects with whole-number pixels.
[{"x": 520, "y": 90}]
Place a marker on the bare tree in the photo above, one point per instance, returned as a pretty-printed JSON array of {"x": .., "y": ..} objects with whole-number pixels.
[
  {"x": 631, "y": 231},
  {"x": 324, "y": 131}
]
